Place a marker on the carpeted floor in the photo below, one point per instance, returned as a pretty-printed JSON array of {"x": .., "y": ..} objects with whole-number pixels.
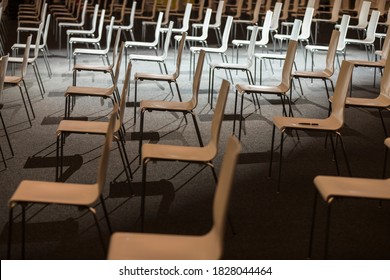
[{"x": 267, "y": 225}]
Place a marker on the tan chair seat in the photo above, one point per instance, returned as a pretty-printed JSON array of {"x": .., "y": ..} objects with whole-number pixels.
[
  {"x": 154, "y": 77},
  {"x": 381, "y": 101},
  {"x": 180, "y": 153},
  {"x": 330, "y": 186},
  {"x": 131, "y": 246},
  {"x": 368, "y": 63},
  {"x": 279, "y": 89},
  {"x": 166, "y": 105},
  {"x": 316, "y": 74},
  {"x": 331, "y": 123},
  {"x": 97, "y": 68},
  {"x": 53, "y": 192},
  {"x": 82, "y": 127},
  {"x": 90, "y": 91},
  {"x": 12, "y": 79}
]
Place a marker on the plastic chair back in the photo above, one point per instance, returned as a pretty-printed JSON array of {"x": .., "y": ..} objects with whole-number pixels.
[
  {"x": 226, "y": 33},
  {"x": 109, "y": 34},
  {"x": 266, "y": 28},
  {"x": 371, "y": 28},
  {"x": 288, "y": 63},
  {"x": 330, "y": 56},
  {"x": 116, "y": 45},
  {"x": 197, "y": 79},
  {"x": 252, "y": 44},
  {"x": 295, "y": 30},
  {"x": 385, "y": 82},
  {"x": 218, "y": 15},
  {"x": 306, "y": 24},
  {"x": 3, "y": 70},
  {"x": 180, "y": 54},
  {"x": 276, "y": 16},
  {"x": 186, "y": 18},
  {"x": 363, "y": 14},
  {"x": 343, "y": 32},
  {"x": 26, "y": 54}
]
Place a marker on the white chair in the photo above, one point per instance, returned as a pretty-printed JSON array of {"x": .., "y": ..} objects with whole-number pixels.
[
  {"x": 368, "y": 41},
  {"x": 69, "y": 24},
  {"x": 83, "y": 40},
  {"x": 185, "y": 22},
  {"x": 151, "y": 45},
  {"x": 305, "y": 30},
  {"x": 341, "y": 46},
  {"x": 253, "y": 21},
  {"x": 362, "y": 18},
  {"x": 218, "y": 50},
  {"x": 332, "y": 20},
  {"x": 231, "y": 66},
  {"x": 42, "y": 47},
  {"x": 163, "y": 23},
  {"x": 103, "y": 53},
  {"x": 160, "y": 59},
  {"x": 130, "y": 26},
  {"x": 262, "y": 43},
  {"x": 216, "y": 25}
]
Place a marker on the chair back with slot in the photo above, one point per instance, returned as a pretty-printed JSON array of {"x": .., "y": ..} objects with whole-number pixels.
[{"x": 385, "y": 82}]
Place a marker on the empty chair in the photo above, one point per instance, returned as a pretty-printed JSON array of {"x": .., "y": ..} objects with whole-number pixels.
[
  {"x": 130, "y": 26},
  {"x": 280, "y": 90},
  {"x": 200, "y": 155},
  {"x": 326, "y": 73},
  {"x": 368, "y": 41},
  {"x": 185, "y": 22},
  {"x": 19, "y": 80},
  {"x": 67, "y": 127},
  {"x": 165, "y": 22},
  {"x": 186, "y": 107},
  {"x": 363, "y": 14},
  {"x": 237, "y": 66},
  {"x": 332, "y": 20},
  {"x": 79, "y": 195},
  {"x": 137, "y": 246},
  {"x": 331, "y": 124},
  {"x": 3, "y": 69},
  {"x": 252, "y": 21}
]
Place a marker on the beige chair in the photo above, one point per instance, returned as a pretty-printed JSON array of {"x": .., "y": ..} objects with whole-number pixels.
[
  {"x": 19, "y": 80},
  {"x": 79, "y": 195},
  {"x": 165, "y": 22},
  {"x": 140, "y": 246},
  {"x": 331, "y": 124},
  {"x": 381, "y": 102},
  {"x": 186, "y": 107},
  {"x": 280, "y": 90},
  {"x": 170, "y": 78},
  {"x": 330, "y": 188},
  {"x": 67, "y": 127},
  {"x": 3, "y": 69},
  {"x": 103, "y": 92},
  {"x": 327, "y": 73},
  {"x": 200, "y": 155}
]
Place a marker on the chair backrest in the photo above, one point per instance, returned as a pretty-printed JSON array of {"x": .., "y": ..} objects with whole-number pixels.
[
  {"x": 286, "y": 10},
  {"x": 256, "y": 11},
  {"x": 332, "y": 49},
  {"x": 252, "y": 45},
  {"x": 205, "y": 26},
  {"x": 276, "y": 16},
  {"x": 167, "y": 41},
  {"x": 341, "y": 90},
  {"x": 109, "y": 34},
  {"x": 166, "y": 12},
  {"x": 116, "y": 45},
  {"x": 23, "y": 68},
  {"x": 118, "y": 62},
  {"x": 37, "y": 40},
  {"x": 295, "y": 30},
  {"x": 123, "y": 11},
  {"x": 43, "y": 12},
  {"x": 343, "y": 32},
  {"x": 101, "y": 24},
  {"x": 45, "y": 31},
  {"x": 3, "y": 70},
  {"x": 386, "y": 45},
  {"x": 132, "y": 15},
  {"x": 306, "y": 24},
  {"x": 197, "y": 79},
  {"x": 218, "y": 14},
  {"x": 200, "y": 11},
  {"x": 266, "y": 28},
  {"x": 223, "y": 191},
  {"x": 288, "y": 63},
  {"x": 385, "y": 82},
  {"x": 218, "y": 117},
  {"x": 94, "y": 18},
  {"x": 335, "y": 11},
  {"x": 158, "y": 27},
  {"x": 103, "y": 166},
  {"x": 84, "y": 13},
  {"x": 125, "y": 88},
  {"x": 363, "y": 14},
  {"x": 186, "y": 18},
  {"x": 226, "y": 33},
  {"x": 180, "y": 54},
  {"x": 371, "y": 28},
  {"x": 238, "y": 9}
]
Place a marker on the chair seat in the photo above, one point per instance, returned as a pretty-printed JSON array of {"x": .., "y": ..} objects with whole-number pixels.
[
  {"x": 90, "y": 51},
  {"x": 330, "y": 186},
  {"x": 231, "y": 66},
  {"x": 82, "y": 127},
  {"x": 83, "y": 40},
  {"x": 179, "y": 153},
  {"x": 381, "y": 101},
  {"x": 77, "y": 31},
  {"x": 163, "y": 105},
  {"x": 316, "y": 48},
  {"x": 368, "y": 63},
  {"x": 154, "y": 77},
  {"x": 12, "y": 80},
  {"x": 52, "y": 192},
  {"x": 141, "y": 57},
  {"x": 279, "y": 89},
  {"x": 26, "y": 29},
  {"x": 270, "y": 56},
  {"x": 357, "y": 41},
  {"x": 330, "y": 124},
  {"x": 207, "y": 50},
  {"x": 96, "y": 68},
  {"x": 143, "y": 246},
  {"x": 90, "y": 91},
  {"x": 325, "y": 74},
  {"x": 140, "y": 44}
]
